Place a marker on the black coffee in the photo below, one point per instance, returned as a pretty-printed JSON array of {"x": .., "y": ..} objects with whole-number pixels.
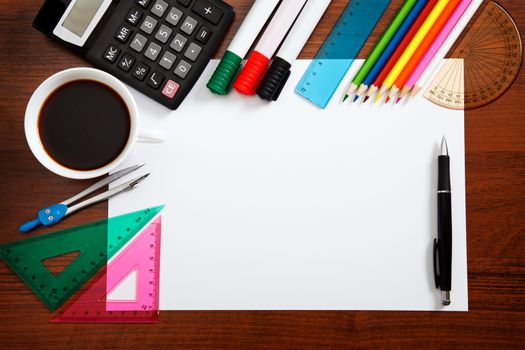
[{"x": 84, "y": 125}]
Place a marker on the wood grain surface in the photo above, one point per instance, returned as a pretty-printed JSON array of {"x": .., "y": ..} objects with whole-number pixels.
[{"x": 495, "y": 161}]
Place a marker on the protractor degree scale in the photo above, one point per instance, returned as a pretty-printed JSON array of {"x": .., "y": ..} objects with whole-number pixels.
[{"x": 488, "y": 60}]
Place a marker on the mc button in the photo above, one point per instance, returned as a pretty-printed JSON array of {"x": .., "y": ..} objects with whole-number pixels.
[{"x": 111, "y": 53}]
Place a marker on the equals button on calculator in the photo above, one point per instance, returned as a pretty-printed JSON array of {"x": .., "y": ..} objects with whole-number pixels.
[{"x": 159, "y": 47}]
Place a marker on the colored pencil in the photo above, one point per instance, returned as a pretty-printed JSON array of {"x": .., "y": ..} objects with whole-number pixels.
[
  {"x": 405, "y": 57},
  {"x": 423, "y": 48},
  {"x": 437, "y": 60},
  {"x": 384, "y": 69},
  {"x": 391, "y": 47},
  {"x": 380, "y": 46},
  {"x": 423, "y": 64}
]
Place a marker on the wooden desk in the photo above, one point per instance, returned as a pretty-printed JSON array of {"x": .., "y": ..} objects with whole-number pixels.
[{"x": 495, "y": 146}]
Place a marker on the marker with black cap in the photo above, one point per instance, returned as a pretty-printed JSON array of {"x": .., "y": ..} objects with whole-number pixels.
[{"x": 279, "y": 71}]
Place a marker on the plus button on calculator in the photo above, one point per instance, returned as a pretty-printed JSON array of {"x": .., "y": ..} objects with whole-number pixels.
[{"x": 159, "y": 47}]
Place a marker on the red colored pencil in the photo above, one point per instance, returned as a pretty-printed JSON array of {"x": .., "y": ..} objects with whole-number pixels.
[{"x": 400, "y": 49}]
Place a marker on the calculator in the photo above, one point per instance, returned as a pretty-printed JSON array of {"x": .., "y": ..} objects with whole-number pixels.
[{"x": 159, "y": 47}]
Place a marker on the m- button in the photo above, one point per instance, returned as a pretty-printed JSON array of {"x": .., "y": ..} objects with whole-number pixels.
[{"x": 207, "y": 10}]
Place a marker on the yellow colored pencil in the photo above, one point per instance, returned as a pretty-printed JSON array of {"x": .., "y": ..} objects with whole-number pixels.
[{"x": 412, "y": 47}]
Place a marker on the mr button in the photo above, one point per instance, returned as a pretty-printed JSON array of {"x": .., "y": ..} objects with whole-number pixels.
[{"x": 170, "y": 89}]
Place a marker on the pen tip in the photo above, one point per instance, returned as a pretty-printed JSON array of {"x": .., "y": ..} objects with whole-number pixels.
[{"x": 444, "y": 146}]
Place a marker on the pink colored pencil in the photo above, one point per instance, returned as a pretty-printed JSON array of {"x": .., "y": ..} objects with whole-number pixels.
[{"x": 436, "y": 45}]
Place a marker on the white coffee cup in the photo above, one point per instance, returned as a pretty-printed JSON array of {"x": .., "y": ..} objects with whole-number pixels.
[{"x": 46, "y": 89}]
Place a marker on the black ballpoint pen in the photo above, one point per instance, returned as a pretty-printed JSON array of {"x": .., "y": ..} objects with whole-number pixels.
[{"x": 443, "y": 244}]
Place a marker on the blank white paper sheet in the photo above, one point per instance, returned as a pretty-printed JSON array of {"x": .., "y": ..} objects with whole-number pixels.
[{"x": 283, "y": 206}]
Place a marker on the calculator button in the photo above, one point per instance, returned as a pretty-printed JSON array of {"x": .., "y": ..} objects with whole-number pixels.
[
  {"x": 178, "y": 42},
  {"x": 174, "y": 16},
  {"x": 203, "y": 35},
  {"x": 138, "y": 43},
  {"x": 155, "y": 80},
  {"x": 159, "y": 8},
  {"x": 126, "y": 62},
  {"x": 153, "y": 51},
  {"x": 111, "y": 53},
  {"x": 170, "y": 89},
  {"x": 149, "y": 24},
  {"x": 193, "y": 52},
  {"x": 143, "y": 3},
  {"x": 141, "y": 71},
  {"x": 189, "y": 25},
  {"x": 167, "y": 60},
  {"x": 209, "y": 11},
  {"x": 163, "y": 34},
  {"x": 134, "y": 16},
  {"x": 123, "y": 33},
  {"x": 183, "y": 69},
  {"x": 184, "y": 2}
]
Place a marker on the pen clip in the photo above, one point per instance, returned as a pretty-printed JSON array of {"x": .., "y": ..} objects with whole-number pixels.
[{"x": 435, "y": 258}]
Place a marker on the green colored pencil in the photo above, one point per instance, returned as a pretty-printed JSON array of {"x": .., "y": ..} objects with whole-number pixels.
[{"x": 380, "y": 46}]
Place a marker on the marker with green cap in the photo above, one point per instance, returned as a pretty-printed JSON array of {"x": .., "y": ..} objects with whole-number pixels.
[{"x": 229, "y": 67}]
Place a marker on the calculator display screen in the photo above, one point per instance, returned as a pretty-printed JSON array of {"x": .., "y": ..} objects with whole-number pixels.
[{"x": 81, "y": 15}]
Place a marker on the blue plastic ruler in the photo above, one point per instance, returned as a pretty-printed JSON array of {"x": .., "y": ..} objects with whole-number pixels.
[{"x": 340, "y": 49}]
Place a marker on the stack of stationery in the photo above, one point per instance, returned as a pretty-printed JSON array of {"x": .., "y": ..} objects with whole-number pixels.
[
  {"x": 396, "y": 47},
  {"x": 401, "y": 62},
  {"x": 411, "y": 48}
]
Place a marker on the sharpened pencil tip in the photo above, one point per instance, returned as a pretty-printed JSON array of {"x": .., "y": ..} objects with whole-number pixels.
[
  {"x": 356, "y": 98},
  {"x": 377, "y": 98},
  {"x": 366, "y": 99},
  {"x": 344, "y": 98},
  {"x": 398, "y": 99},
  {"x": 387, "y": 99}
]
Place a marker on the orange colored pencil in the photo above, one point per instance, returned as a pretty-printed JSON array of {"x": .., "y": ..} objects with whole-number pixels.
[{"x": 423, "y": 48}]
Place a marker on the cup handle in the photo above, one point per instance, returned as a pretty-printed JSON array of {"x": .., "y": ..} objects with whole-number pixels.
[{"x": 151, "y": 136}]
